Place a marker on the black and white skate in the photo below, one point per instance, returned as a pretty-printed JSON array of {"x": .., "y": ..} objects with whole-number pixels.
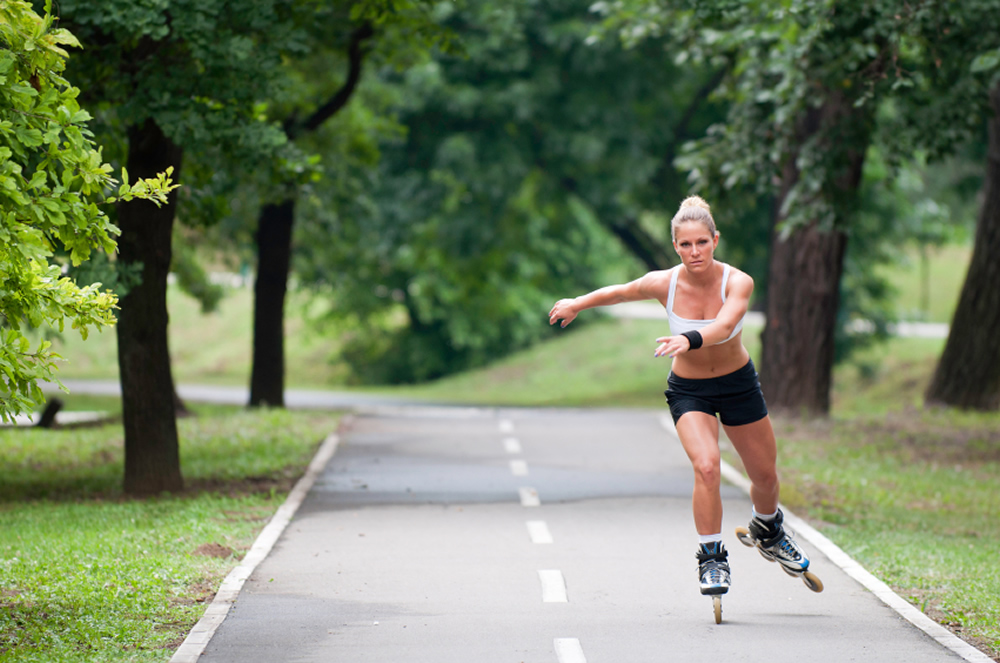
[
  {"x": 775, "y": 544},
  {"x": 713, "y": 573}
]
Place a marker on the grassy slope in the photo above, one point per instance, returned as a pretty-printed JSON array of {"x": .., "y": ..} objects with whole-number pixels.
[{"x": 930, "y": 295}]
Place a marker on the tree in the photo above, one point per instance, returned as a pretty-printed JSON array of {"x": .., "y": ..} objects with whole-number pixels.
[
  {"x": 273, "y": 238},
  {"x": 808, "y": 82},
  {"x": 968, "y": 373},
  {"x": 536, "y": 163},
  {"x": 175, "y": 82},
  {"x": 52, "y": 180},
  {"x": 962, "y": 90}
]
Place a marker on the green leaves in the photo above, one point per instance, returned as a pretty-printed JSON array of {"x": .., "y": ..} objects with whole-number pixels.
[
  {"x": 986, "y": 62},
  {"x": 52, "y": 179}
]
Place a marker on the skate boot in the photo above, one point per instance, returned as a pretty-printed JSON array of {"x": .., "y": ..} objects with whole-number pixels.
[
  {"x": 713, "y": 571},
  {"x": 775, "y": 545},
  {"x": 713, "y": 568}
]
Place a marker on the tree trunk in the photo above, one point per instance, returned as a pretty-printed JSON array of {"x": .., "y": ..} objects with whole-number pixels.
[
  {"x": 152, "y": 457},
  {"x": 274, "y": 249},
  {"x": 798, "y": 341},
  {"x": 805, "y": 270},
  {"x": 968, "y": 373}
]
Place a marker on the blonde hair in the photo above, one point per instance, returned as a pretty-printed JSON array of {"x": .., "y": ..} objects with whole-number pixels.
[{"x": 693, "y": 208}]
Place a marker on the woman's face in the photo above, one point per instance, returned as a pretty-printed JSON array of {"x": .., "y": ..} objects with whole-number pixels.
[{"x": 695, "y": 245}]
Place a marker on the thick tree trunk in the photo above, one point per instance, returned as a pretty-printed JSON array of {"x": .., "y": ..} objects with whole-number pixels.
[
  {"x": 274, "y": 250},
  {"x": 968, "y": 373},
  {"x": 798, "y": 341},
  {"x": 804, "y": 275},
  {"x": 152, "y": 456}
]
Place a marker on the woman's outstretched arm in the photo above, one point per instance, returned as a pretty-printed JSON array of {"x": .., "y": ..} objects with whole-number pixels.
[{"x": 654, "y": 285}]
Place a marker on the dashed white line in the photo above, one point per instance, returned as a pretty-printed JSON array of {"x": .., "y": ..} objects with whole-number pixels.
[
  {"x": 539, "y": 531},
  {"x": 519, "y": 468},
  {"x": 512, "y": 445},
  {"x": 568, "y": 650},
  {"x": 529, "y": 497},
  {"x": 506, "y": 426},
  {"x": 553, "y": 586}
]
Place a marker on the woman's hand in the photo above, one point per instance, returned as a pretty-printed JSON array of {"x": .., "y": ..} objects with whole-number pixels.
[
  {"x": 564, "y": 310},
  {"x": 672, "y": 346}
]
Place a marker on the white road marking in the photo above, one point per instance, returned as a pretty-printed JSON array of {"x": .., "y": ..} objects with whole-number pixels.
[
  {"x": 512, "y": 445},
  {"x": 519, "y": 468},
  {"x": 506, "y": 426},
  {"x": 529, "y": 496},
  {"x": 553, "y": 586},
  {"x": 568, "y": 650},
  {"x": 539, "y": 531}
]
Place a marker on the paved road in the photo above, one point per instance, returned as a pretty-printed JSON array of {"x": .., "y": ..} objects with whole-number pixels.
[{"x": 422, "y": 541}]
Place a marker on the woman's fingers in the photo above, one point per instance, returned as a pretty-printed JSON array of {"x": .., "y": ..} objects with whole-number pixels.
[{"x": 671, "y": 346}]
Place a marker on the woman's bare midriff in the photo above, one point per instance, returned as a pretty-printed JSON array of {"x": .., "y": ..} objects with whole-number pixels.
[{"x": 713, "y": 361}]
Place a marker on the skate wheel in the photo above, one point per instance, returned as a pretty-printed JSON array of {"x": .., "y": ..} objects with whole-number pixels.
[
  {"x": 743, "y": 534},
  {"x": 790, "y": 572},
  {"x": 812, "y": 581},
  {"x": 717, "y": 605}
]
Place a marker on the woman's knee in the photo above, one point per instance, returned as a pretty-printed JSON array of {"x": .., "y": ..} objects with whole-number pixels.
[{"x": 708, "y": 472}]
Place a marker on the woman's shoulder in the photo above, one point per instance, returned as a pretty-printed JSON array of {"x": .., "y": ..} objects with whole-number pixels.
[
  {"x": 656, "y": 284},
  {"x": 738, "y": 279},
  {"x": 659, "y": 275}
]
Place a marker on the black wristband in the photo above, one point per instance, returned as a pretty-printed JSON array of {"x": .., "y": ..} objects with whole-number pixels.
[{"x": 694, "y": 338}]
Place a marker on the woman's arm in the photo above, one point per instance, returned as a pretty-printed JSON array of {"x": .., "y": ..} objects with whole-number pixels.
[{"x": 654, "y": 285}]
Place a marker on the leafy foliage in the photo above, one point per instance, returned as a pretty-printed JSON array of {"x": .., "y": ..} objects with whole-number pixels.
[
  {"x": 910, "y": 80},
  {"x": 52, "y": 181},
  {"x": 517, "y": 160}
]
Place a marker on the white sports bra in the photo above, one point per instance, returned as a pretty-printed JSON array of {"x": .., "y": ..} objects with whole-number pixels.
[{"x": 679, "y": 325}]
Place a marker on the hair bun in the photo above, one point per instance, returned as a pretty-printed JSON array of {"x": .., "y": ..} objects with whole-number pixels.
[{"x": 696, "y": 201}]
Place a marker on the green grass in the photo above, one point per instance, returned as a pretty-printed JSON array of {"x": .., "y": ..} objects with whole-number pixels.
[
  {"x": 930, "y": 293},
  {"x": 912, "y": 496},
  {"x": 213, "y": 348},
  {"x": 88, "y": 575}
]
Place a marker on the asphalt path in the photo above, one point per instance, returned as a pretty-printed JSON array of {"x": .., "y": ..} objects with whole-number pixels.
[{"x": 479, "y": 535}]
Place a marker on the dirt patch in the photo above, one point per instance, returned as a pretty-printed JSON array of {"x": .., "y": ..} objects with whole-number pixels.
[
  {"x": 216, "y": 550},
  {"x": 248, "y": 486},
  {"x": 199, "y": 593}
]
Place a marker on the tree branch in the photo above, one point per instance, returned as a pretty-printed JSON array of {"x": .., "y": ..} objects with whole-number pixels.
[
  {"x": 640, "y": 243},
  {"x": 355, "y": 54},
  {"x": 680, "y": 131}
]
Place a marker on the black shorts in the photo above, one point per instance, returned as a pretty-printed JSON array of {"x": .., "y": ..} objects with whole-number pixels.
[{"x": 736, "y": 397}]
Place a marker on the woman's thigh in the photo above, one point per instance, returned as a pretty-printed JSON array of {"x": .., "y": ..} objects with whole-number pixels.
[
  {"x": 757, "y": 448},
  {"x": 699, "y": 435}
]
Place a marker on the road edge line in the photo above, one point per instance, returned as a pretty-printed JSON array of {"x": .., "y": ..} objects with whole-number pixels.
[
  {"x": 851, "y": 567},
  {"x": 194, "y": 644}
]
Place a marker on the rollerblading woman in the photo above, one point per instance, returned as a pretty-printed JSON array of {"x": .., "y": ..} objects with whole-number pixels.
[{"x": 712, "y": 377}]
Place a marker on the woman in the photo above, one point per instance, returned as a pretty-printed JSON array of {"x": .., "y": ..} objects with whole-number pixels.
[{"x": 712, "y": 374}]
